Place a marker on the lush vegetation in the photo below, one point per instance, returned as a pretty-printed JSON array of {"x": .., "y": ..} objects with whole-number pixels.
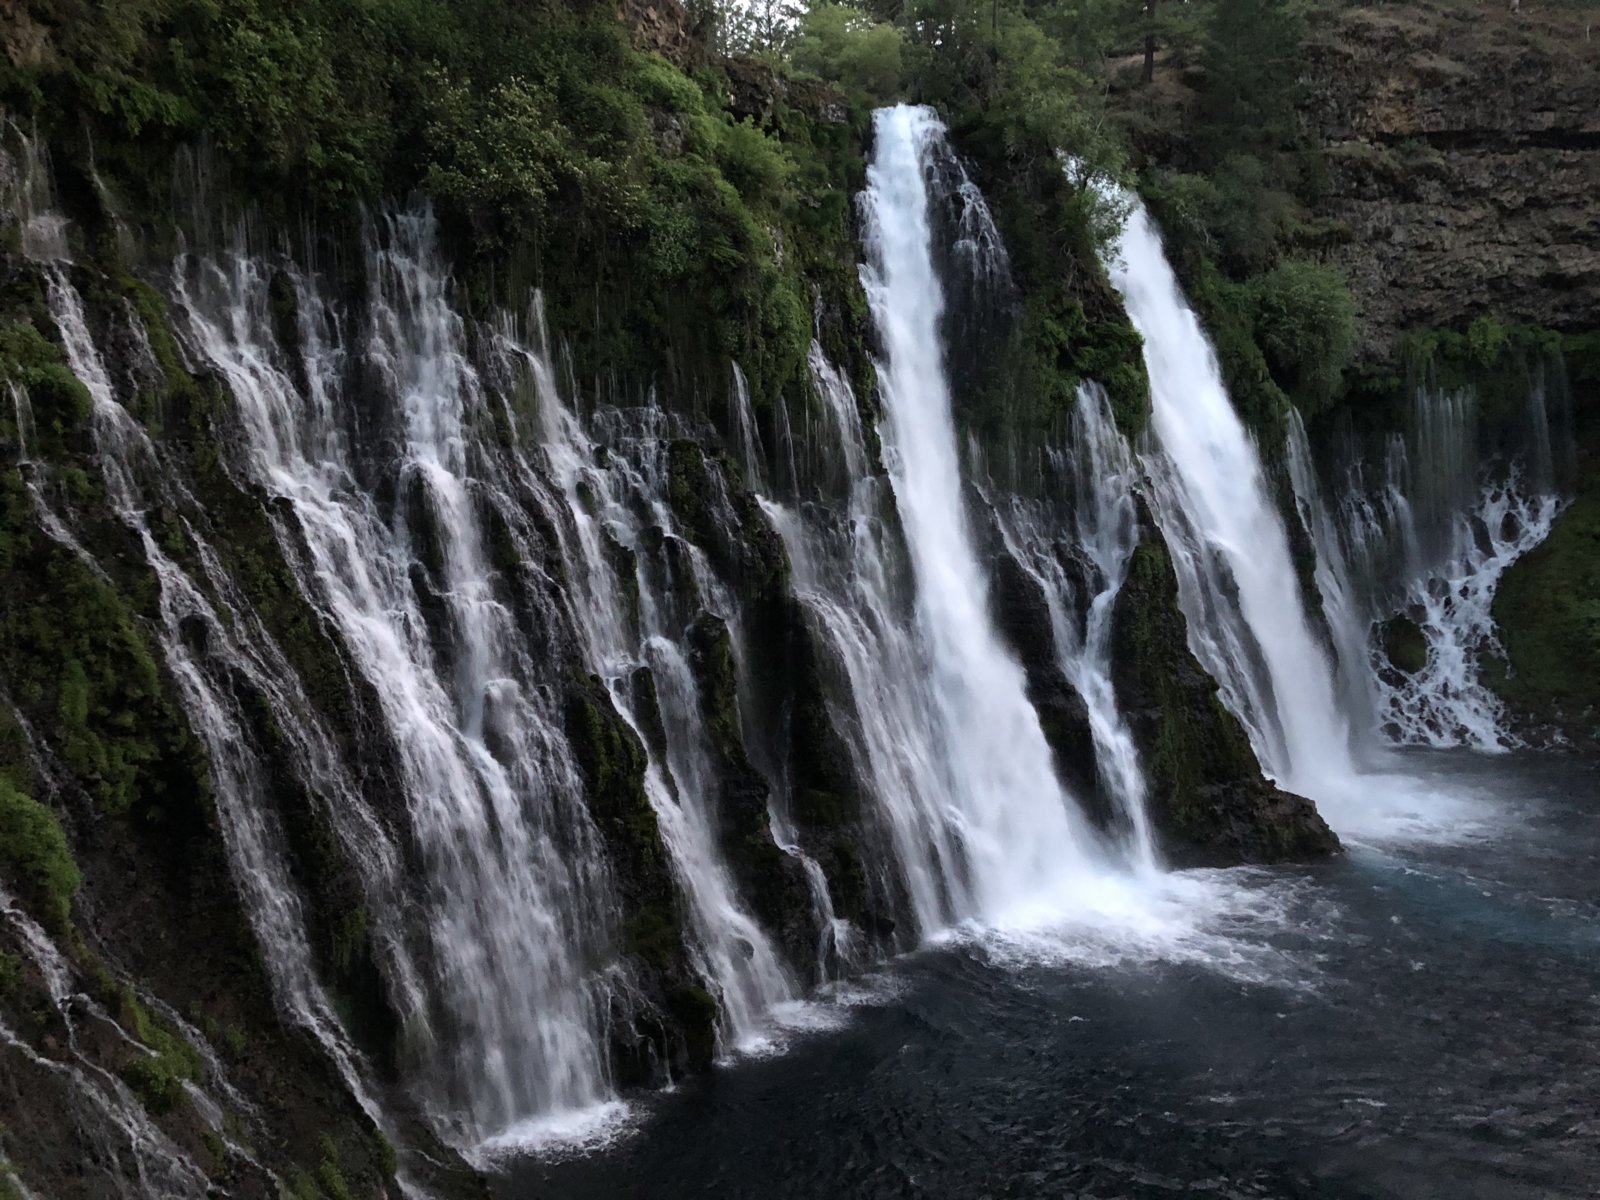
[
  {"x": 1235, "y": 181},
  {"x": 681, "y": 213},
  {"x": 1548, "y": 609},
  {"x": 34, "y": 853},
  {"x": 670, "y": 231}
]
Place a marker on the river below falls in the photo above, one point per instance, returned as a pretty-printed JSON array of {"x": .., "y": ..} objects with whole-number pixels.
[{"x": 1414, "y": 1019}]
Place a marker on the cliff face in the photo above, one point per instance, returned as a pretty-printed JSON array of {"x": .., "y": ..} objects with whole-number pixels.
[{"x": 1463, "y": 153}]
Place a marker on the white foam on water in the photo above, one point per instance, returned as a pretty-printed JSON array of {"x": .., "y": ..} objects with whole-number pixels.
[
  {"x": 1225, "y": 921},
  {"x": 563, "y": 1134}
]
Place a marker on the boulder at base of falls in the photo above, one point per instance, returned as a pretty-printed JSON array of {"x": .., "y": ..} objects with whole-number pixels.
[
  {"x": 1022, "y": 615},
  {"x": 1209, "y": 803},
  {"x": 1405, "y": 646}
]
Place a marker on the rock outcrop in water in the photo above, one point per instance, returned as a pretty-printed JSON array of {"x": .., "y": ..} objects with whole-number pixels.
[{"x": 1207, "y": 796}]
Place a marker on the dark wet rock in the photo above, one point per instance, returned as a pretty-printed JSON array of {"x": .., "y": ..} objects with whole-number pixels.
[
  {"x": 1405, "y": 646},
  {"x": 1022, "y": 616},
  {"x": 1208, "y": 801}
]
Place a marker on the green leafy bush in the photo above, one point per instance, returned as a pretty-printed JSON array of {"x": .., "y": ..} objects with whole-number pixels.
[
  {"x": 1305, "y": 324},
  {"x": 34, "y": 854}
]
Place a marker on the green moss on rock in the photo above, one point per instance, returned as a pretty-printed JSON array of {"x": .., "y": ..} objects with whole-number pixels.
[
  {"x": 771, "y": 878},
  {"x": 1404, "y": 644},
  {"x": 1548, "y": 611},
  {"x": 1208, "y": 800},
  {"x": 156, "y": 1076},
  {"x": 35, "y": 858}
]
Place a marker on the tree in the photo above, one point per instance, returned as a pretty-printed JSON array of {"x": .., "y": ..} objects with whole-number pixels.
[
  {"x": 1305, "y": 324},
  {"x": 1251, "y": 59},
  {"x": 1148, "y": 75},
  {"x": 747, "y": 26},
  {"x": 842, "y": 44}
]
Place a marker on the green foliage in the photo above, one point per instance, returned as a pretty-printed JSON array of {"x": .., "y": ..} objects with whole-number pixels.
[
  {"x": 1404, "y": 644},
  {"x": 329, "y": 1174},
  {"x": 35, "y": 857},
  {"x": 10, "y": 968},
  {"x": 1018, "y": 89},
  {"x": 839, "y": 43},
  {"x": 1548, "y": 611},
  {"x": 1495, "y": 359},
  {"x": 1305, "y": 323},
  {"x": 1237, "y": 226},
  {"x": 506, "y": 157},
  {"x": 1234, "y": 214},
  {"x": 1251, "y": 61},
  {"x": 388, "y": 1159},
  {"x": 82, "y": 665},
  {"x": 998, "y": 70},
  {"x": 59, "y": 402},
  {"x": 157, "y": 1076},
  {"x": 556, "y": 154}
]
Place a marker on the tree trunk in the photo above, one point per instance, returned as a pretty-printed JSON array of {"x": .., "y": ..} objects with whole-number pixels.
[{"x": 1149, "y": 73}]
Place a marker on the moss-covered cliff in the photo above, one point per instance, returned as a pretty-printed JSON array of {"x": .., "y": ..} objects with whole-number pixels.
[{"x": 1208, "y": 799}]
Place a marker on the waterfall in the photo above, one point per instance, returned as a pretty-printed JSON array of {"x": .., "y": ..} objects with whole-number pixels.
[
  {"x": 1016, "y": 831},
  {"x": 203, "y": 622},
  {"x": 1100, "y": 469},
  {"x": 515, "y": 908},
  {"x": 109, "y": 1119},
  {"x": 1236, "y": 577},
  {"x": 742, "y": 426},
  {"x": 626, "y": 545},
  {"x": 1349, "y": 622},
  {"x": 1426, "y": 539},
  {"x": 848, "y": 573},
  {"x": 1376, "y": 555}
]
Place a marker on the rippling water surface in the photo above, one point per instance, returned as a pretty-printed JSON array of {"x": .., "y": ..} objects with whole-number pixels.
[{"x": 1416, "y": 1019}]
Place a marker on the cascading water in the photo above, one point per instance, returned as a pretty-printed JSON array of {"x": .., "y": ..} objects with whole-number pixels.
[
  {"x": 517, "y": 909},
  {"x": 853, "y": 575},
  {"x": 1104, "y": 518},
  {"x": 1241, "y": 595},
  {"x": 1348, "y": 622},
  {"x": 1017, "y": 833},
  {"x": 1230, "y": 548},
  {"x": 109, "y": 1119},
  {"x": 400, "y": 483},
  {"x": 742, "y": 424},
  {"x": 621, "y": 510},
  {"x": 205, "y": 610},
  {"x": 1427, "y": 542},
  {"x": 848, "y": 573}
]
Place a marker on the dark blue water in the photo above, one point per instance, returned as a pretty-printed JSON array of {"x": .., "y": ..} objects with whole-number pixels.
[{"x": 1422, "y": 1021}]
